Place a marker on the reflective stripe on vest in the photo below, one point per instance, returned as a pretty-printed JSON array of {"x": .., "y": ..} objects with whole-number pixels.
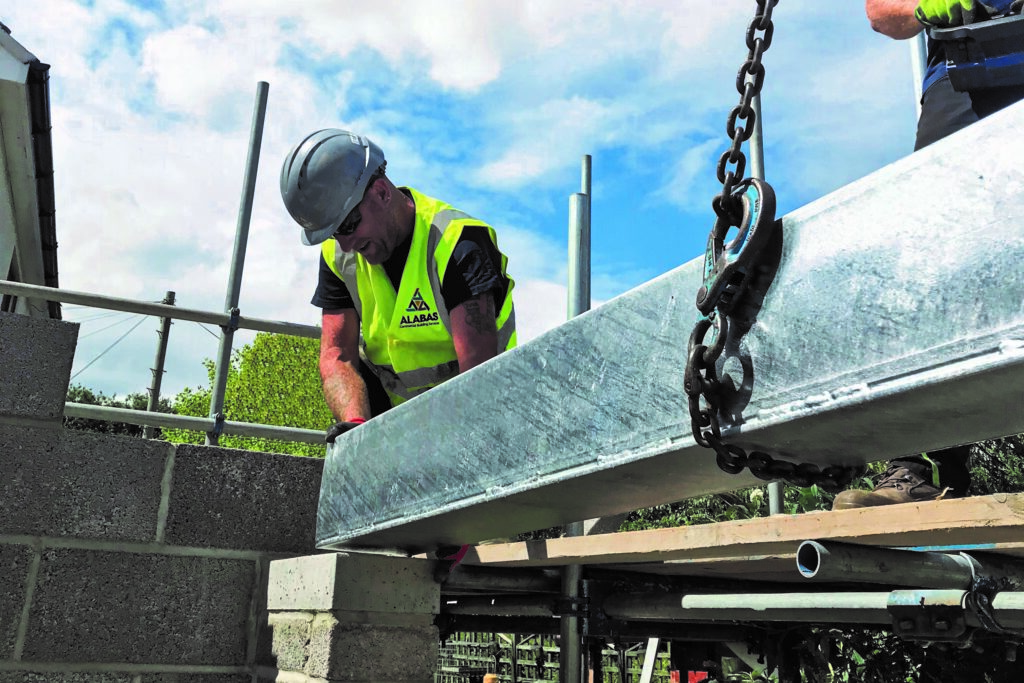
[{"x": 406, "y": 335}]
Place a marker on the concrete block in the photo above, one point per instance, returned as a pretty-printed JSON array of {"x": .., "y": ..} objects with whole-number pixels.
[
  {"x": 226, "y": 498},
  {"x": 82, "y": 484},
  {"x": 63, "y": 677},
  {"x": 14, "y": 563},
  {"x": 92, "y": 606},
  {"x": 290, "y": 647},
  {"x": 34, "y": 376},
  {"x": 360, "y": 652},
  {"x": 355, "y": 582}
]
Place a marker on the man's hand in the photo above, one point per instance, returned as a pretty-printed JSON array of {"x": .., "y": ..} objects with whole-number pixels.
[{"x": 339, "y": 428}]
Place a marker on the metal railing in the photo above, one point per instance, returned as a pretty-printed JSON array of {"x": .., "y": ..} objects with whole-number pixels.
[
  {"x": 229, "y": 321},
  {"x": 163, "y": 310},
  {"x": 140, "y": 417},
  {"x": 199, "y": 424}
]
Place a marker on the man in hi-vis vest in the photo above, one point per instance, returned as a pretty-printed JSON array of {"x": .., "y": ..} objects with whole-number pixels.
[{"x": 413, "y": 291}]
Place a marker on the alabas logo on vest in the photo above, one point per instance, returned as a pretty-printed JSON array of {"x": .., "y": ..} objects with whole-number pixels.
[{"x": 418, "y": 313}]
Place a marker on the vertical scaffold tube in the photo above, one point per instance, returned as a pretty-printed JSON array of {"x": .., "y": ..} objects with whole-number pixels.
[{"x": 238, "y": 261}]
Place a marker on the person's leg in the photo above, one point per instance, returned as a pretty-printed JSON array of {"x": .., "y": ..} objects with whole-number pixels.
[
  {"x": 943, "y": 111},
  {"x": 990, "y": 101},
  {"x": 945, "y": 473},
  {"x": 917, "y": 478},
  {"x": 953, "y": 468}
]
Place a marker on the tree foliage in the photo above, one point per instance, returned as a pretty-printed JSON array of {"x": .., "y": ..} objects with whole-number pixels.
[
  {"x": 137, "y": 401},
  {"x": 275, "y": 381}
]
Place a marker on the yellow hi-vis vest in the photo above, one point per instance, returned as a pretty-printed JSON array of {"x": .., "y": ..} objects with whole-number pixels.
[{"x": 406, "y": 337}]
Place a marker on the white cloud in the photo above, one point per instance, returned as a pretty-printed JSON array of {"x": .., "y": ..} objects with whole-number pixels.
[
  {"x": 540, "y": 306},
  {"x": 487, "y": 103},
  {"x": 547, "y": 138},
  {"x": 689, "y": 184}
]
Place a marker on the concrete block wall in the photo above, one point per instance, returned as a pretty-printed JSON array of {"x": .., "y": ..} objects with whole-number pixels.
[
  {"x": 352, "y": 617},
  {"x": 127, "y": 560}
]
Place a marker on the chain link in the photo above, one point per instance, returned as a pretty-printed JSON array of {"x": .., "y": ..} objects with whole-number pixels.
[
  {"x": 725, "y": 271},
  {"x": 724, "y": 204}
]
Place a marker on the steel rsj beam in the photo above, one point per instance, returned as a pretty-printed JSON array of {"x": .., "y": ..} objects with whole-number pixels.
[{"x": 893, "y": 324}]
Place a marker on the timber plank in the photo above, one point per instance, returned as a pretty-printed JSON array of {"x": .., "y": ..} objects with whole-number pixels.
[{"x": 993, "y": 523}]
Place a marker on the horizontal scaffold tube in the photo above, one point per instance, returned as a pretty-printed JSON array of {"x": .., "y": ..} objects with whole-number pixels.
[
  {"x": 830, "y": 561},
  {"x": 854, "y": 608},
  {"x": 199, "y": 424},
  {"x": 509, "y": 606},
  {"x": 829, "y": 608},
  {"x": 469, "y": 579},
  {"x": 113, "y": 303},
  {"x": 837, "y": 562}
]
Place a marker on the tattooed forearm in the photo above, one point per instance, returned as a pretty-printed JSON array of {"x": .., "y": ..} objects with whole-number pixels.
[
  {"x": 474, "y": 331},
  {"x": 479, "y": 316}
]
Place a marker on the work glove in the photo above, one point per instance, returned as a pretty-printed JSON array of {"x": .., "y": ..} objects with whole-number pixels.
[
  {"x": 947, "y": 13},
  {"x": 339, "y": 428}
]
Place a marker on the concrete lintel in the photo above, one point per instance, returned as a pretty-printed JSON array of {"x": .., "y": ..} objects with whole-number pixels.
[{"x": 892, "y": 325}]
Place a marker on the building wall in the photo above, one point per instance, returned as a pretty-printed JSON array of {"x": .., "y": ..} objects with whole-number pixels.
[
  {"x": 128, "y": 560},
  {"x": 28, "y": 239}
]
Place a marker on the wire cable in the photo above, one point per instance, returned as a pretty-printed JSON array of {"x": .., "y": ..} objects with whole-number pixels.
[
  {"x": 98, "y": 316},
  {"x": 127, "y": 318},
  {"x": 212, "y": 334},
  {"x": 99, "y": 311},
  {"x": 116, "y": 342}
]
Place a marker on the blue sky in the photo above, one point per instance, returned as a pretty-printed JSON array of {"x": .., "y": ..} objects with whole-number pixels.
[{"x": 488, "y": 104}]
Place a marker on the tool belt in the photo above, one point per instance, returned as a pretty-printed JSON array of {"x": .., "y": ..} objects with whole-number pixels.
[{"x": 989, "y": 54}]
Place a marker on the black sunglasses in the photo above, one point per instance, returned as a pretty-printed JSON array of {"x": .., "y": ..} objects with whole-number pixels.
[{"x": 350, "y": 224}]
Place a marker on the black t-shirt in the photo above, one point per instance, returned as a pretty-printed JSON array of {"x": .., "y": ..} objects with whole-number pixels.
[{"x": 474, "y": 269}]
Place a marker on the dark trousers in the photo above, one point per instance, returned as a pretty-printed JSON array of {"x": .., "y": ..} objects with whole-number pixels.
[
  {"x": 945, "y": 111},
  {"x": 952, "y": 464}
]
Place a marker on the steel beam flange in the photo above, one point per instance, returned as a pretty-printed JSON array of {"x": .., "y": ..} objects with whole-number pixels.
[{"x": 936, "y": 616}]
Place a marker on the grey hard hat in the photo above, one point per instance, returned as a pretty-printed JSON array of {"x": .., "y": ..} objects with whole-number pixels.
[{"x": 324, "y": 177}]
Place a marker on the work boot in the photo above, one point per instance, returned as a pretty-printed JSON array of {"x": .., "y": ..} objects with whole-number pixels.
[{"x": 899, "y": 484}]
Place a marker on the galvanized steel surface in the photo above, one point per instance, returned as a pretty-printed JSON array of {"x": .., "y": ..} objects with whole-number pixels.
[{"x": 894, "y": 325}]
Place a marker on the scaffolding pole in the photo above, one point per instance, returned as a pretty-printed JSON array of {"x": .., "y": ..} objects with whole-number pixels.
[
  {"x": 237, "y": 264},
  {"x": 570, "y": 654},
  {"x": 198, "y": 424},
  {"x": 153, "y": 406}
]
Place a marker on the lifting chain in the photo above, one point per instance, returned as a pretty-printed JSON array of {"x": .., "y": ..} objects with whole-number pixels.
[{"x": 749, "y": 206}]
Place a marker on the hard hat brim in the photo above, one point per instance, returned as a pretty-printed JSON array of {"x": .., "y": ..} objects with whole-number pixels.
[{"x": 312, "y": 238}]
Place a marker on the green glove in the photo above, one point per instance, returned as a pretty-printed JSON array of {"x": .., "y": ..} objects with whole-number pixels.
[{"x": 945, "y": 13}]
